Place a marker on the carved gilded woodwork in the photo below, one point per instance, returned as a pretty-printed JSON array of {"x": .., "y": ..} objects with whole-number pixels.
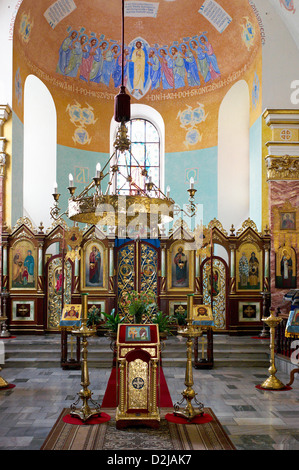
[
  {"x": 54, "y": 297},
  {"x": 284, "y": 167},
  {"x": 215, "y": 281},
  {"x": 285, "y": 226},
  {"x": 138, "y": 356},
  {"x": 138, "y": 384},
  {"x": 125, "y": 274},
  {"x": 248, "y": 223}
]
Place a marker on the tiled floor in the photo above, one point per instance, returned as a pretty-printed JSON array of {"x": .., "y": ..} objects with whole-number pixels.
[{"x": 254, "y": 419}]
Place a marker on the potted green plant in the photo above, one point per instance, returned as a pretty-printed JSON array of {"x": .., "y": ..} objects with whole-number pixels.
[
  {"x": 181, "y": 318},
  {"x": 164, "y": 323},
  {"x": 139, "y": 304},
  {"x": 112, "y": 322}
]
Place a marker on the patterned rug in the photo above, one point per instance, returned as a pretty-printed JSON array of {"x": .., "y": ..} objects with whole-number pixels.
[{"x": 169, "y": 436}]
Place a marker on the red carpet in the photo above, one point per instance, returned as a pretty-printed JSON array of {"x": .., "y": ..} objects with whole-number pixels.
[
  {"x": 259, "y": 337},
  {"x": 109, "y": 400},
  {"x": 103, "y": 418},
  {"x": 172, "y": 418}
]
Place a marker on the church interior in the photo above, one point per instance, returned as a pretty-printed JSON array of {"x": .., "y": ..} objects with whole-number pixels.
[{"x": 149, "y": 204}]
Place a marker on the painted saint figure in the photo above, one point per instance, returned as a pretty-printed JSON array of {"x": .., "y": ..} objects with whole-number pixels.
[
  {"x": 107, "y": 65},
  {"x": 76, "y": 57},
  {"x": 94, "y": 265},
  {"x": 243, "y": 270},
  {"x": 201, "y": 60},
  {"x": 29, "y": 265},
  {"x": 211, "y": 57},
  {"x": 72, "y": 314},
  {"x": 180, "y": 261},
  {"x": 286, "y": 269},
  {"x": 178, "y": 67},
  {"x": 190, "y": 66},
  {"x": 96, "y": 70},
  {"x": 116, "y": 68},
  {"x": 65, "y": 52},
  {"x": 288, "y": 221},
  {"x": 253, "y": 270},
  {"x": 138, "y": 58},
  {"x": 155, "y": 69},
  {"x": 18, "y": 267},
  {"x": 89, "y": 52},
  {"x": 59, "y": 281},
  {"x": 166, "y": 69},
  {"x": 213, "y": 282}
]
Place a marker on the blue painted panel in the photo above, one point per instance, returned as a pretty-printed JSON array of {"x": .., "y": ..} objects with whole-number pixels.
[{"x": 202, "y": 165}]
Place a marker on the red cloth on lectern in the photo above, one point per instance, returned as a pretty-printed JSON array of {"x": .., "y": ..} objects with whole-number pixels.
[{"x": 110, "y": 401}]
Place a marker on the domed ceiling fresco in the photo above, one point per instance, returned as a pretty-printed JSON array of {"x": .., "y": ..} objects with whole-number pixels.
[{"x": 181, "y": 58}]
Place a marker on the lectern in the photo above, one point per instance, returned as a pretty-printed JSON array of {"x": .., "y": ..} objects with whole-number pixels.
[{"x": 138, "y": 357}]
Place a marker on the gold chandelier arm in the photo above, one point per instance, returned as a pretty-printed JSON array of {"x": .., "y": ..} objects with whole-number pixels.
[{"x": 108, "y": 163}]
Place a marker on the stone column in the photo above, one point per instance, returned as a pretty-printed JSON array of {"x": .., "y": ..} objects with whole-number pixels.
[
  {"x": 4, "y": 114},
  {"x": 282, "y": 170}
]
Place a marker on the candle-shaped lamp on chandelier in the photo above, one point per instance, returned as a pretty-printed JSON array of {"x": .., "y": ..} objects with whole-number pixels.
[{"x": 71, "y": 187}]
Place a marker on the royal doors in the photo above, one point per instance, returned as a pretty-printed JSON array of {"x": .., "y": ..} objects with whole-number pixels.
[
  {"x": 214, "y": 289},
  {"x": 137, "y": 269}
]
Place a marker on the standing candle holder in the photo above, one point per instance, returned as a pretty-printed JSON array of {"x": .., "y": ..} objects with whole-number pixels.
[
  {"x": 272, "y": 382},
  {"x": 85, "y": 412},
  {"x": 190, "y": 332},
  {"x": 5, "y": 333},
  {"x": 3, "y": 383},
  {"x": 266, "y": 298}
]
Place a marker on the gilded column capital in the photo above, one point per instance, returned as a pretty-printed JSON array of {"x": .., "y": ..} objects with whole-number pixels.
[
  {"x": 284, "y": 167},
  {"x": 4, "y": 114},
  {"x": 2, "y": 163}
]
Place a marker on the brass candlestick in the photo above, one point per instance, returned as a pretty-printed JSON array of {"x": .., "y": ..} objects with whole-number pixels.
[
  {"x": 272, "y": 382},
  {"x": 190, "y": 332},
  {"x": 85, "y": 412},
  {"x": 3, "y": 383}
]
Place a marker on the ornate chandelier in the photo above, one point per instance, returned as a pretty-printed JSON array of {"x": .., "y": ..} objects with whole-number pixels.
[{"x": 117, "y": 206}]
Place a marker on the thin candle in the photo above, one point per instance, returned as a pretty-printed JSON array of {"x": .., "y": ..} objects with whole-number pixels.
[{"x": 98, "y": 170}]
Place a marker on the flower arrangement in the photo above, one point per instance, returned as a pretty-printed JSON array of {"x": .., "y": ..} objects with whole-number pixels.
[
  {"x": 139, "y": 303},
  {"x": 93, "y": 317}
]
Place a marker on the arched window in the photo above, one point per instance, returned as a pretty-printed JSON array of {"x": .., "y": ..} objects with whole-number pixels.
[
  {"x": 144, "y": 153},
  {"x": 146, "y": 132}
]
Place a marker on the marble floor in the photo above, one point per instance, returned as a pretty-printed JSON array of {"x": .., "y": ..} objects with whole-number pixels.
[{"x": 254, "y": 419}]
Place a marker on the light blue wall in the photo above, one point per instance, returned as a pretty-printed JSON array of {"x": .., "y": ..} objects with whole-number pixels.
[
  {"x": 17, "y": 169},
  {"x": 255, "y": 181},
  {"x": 179, "y": 166}
]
